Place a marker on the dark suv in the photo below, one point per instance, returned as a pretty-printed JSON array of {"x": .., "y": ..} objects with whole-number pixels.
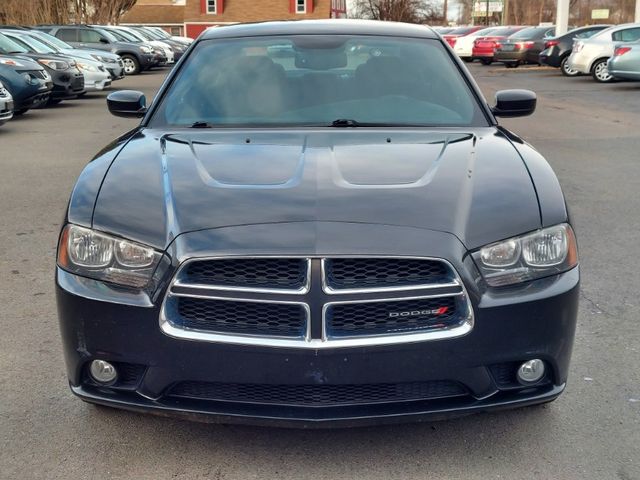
[
  {"x": 136, "y": 57},
  {"x": 27, "y": 81}
]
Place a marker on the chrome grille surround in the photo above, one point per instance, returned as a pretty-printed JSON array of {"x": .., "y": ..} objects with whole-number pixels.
[{"x": 316, "y": 298}]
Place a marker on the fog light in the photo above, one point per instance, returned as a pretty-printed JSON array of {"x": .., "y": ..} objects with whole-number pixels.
[
  {"x": 103, "y": 372},
  {"x": 531, "y": 371}
]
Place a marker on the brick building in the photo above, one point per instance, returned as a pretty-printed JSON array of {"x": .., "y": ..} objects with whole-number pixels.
[
  {"x": 168, "y": 14},
  {"x": 194, "y": 16},
  {"x": 200, "y": 14}
]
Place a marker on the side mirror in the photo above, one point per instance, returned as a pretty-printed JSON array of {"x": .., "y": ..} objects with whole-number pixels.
[
  {"x": 104, "y": 40},
  {"x": 514, "y": 103},
  {"x": 127, "y": 103}
]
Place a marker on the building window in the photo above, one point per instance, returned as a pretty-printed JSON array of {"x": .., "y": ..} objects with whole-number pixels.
[
  {"x": 301, "y": 6},
  {"x": 176, "y": 31},
  {"x": 211, "y": 6}
]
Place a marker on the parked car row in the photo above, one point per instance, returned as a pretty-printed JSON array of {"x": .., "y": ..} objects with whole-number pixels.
[
  {"x": 46, "y": 64},
  {"x": 606, "y": 52}
]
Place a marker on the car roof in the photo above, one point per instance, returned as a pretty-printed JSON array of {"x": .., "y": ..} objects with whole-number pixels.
[{"x": 320, "y": 27}]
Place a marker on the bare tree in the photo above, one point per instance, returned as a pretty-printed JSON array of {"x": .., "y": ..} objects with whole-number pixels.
[
  {"x": 33, "y": 12},
  {"x": 410, "y": 11}
]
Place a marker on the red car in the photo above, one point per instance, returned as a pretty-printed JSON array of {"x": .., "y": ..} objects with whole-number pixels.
[
  {"x": 451, "y": 36},
  {"x": 484, "y": 47}
]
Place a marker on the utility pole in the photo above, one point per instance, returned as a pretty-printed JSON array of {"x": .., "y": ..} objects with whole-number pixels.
[
  {"x": 487, "y": 17},
  {"x": 562, "y": 17},
  {"x": 446, "y": 8}
]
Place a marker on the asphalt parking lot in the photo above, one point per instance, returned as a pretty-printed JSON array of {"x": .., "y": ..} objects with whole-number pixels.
[{"x": 590, "y": 134}]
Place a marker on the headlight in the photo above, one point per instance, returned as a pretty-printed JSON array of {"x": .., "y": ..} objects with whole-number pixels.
[
  {"x": 145, "y": 49},
  {"x": 102, "y": 59},
  {"x": 546, "y": 252},
  {"x": 96, "y": 255},
  {"x": 86, "y": 67},
  {"x": 9, "y": 61},
  {"x": 54, "y": 64}
]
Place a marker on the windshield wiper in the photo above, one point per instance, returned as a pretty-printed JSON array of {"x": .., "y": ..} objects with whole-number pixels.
[
  {"x": 201, "y": 125},
  {"x": 348, "y": 122},
  {"x": 345, "y": 122}
]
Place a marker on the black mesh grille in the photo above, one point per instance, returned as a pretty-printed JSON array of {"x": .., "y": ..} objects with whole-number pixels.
[
  {"x": 277, "y": 273},
  {"x": 36, "y": 73},
  {"x": 384, "y": 272},
  {"x": 353, "y": 319},
  {"x": 325, "y": 395},
  {"x": 252, "y": 318}
]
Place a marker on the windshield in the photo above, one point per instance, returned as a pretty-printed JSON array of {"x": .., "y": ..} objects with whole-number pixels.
[
  {"x": 9, "y": 46},
  {"x": 151, "y": 34},
  {"x": 461, "y": 30},
  {"x": 530, "y": 32},
  {"x": 486, "y": 31},
  {"x": 52, "y": 41},
  {"x": 133, "y": 37},
  {"x": 140, "y": 34},
  {"x": 106, "y": 34},
  {"x": 158, "y": 31},
  {"x": 37, "y": 46},
  {"x": 121, "y": 37},
  {"x": 316, "y": 80}
]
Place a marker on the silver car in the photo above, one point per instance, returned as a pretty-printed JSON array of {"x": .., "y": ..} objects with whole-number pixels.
[
  {"x": 625, "y": 63},
  {"x": 590, "y": 56},
  {"x": 6, "y": 105}
]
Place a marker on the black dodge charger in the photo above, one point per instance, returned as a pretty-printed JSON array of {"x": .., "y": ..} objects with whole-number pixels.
[{"x": 318, "y": 223}]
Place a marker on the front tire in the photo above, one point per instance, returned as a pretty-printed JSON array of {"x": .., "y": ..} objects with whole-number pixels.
[
  {"x": 486, "y": 61},
  {"x": 131, "y": 65},
  {"x": 600, "y": 72},
  {"x": 566, "y": 71},
  {"x": 512, "y": 64}
]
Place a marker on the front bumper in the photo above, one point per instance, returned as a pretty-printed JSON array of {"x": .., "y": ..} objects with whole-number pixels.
[
  {"x": 34, "y": 101},
  {"x": 96, "y": 81},
  {"x": 147, "y": 60},
  {"x": 536, "y": 320},
  {"x": 116, "y": 70},
  {"x": 67, "y": 85},
  {"x": 6, "y": 110}
]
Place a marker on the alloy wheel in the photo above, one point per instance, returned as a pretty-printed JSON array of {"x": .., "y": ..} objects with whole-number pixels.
[
  {"x": 601, "y": 72},
  {"x": 129, "y": 66},
  {"x": 569, "y": 72}
]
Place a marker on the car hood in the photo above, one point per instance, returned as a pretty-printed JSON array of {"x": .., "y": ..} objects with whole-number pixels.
[
  {"x": 88, "y": 52},
  {"x": 25, "y": 62},
  {"x": 128, "y": 45},
  {"x": 471, "y": 183}
]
